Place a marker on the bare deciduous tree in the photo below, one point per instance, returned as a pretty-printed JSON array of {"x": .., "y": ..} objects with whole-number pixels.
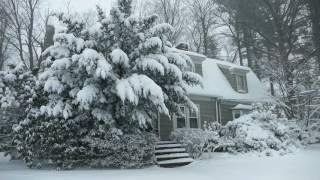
[
  {"x": 4, "y": 25},
  {"x": 23, "y": 34},
  {"x": 203, "y": 14},
  {"x": 172, "y": 12}
]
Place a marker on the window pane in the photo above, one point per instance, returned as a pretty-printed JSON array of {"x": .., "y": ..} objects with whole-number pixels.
[
  {"x": 193, "y": 122},
  {"x": 193, "y": 113},
  {"x": 241, "y": 82},
  {"x": 181, "y": 122},
  {"x": 237, "y": 115}
]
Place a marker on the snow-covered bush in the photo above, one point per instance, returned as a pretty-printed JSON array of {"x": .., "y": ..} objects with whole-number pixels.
[
  {"x": 263, "y": 131},
  {"x": 114, "y": 78},
  {"x": 197, "y": 141},
  {"x": 122, "y": 150},
  {"x": 250, "y": 134},
  {"x": 311, "y": 133}
]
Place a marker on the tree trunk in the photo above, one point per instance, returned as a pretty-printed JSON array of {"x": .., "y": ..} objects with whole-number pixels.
[{"x": 314, "y": 8}]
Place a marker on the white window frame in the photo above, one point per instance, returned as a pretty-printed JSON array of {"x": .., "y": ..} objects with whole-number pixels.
[
  {"x": 197, "y": 116},
  {"x": 187, "y": 117},
  {"x": 178, "y": 116},
  {"x": 241, "y": 86}
]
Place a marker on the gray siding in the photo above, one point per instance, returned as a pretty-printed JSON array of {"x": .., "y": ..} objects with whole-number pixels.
[
  {"x": 207, "y": 111},
  {"x": 226, "y": 112},
  {"x": 198, "y": 69}
]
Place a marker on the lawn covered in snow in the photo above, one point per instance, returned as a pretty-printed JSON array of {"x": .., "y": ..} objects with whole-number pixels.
[{"x": 302, "y": 165}]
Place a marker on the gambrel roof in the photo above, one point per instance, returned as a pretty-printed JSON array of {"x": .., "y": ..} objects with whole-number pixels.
[{"x": 216, "y": 84}]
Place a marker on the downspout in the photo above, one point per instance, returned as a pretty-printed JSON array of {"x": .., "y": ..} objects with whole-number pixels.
[{"x": 219, "y": 105}]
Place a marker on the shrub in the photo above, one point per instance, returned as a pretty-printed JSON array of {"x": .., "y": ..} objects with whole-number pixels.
[
  {"x": 123, "y": 151},
  {"x": 251, "y": 134},
  {"x": 197, "y": 141}
]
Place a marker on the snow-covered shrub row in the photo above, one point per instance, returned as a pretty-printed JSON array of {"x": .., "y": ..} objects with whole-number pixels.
[{"x": 112, "y": 79}]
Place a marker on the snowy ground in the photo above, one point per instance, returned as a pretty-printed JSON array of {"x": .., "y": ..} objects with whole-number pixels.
[{"x": 303, "y": 165}]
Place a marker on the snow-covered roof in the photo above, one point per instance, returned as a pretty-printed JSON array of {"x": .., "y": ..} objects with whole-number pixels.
[
  {"x": 242, "y": 107},
  {"x": 215, "y": 83}
]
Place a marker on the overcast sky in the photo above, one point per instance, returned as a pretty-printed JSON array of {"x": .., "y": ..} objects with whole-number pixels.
[{"x": 77, "y": 5}]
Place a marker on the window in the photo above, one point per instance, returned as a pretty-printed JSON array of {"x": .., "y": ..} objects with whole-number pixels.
[
  {"x": 236, "y": 114},
  {"x": 181, "y": 120},
  {"x": 241, "y": 83},
  {"x": 194, "y": 118},
  {"x": 189, "y": 119}
]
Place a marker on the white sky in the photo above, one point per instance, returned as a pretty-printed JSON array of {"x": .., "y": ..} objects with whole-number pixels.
[{"x": 77, "y": 5}]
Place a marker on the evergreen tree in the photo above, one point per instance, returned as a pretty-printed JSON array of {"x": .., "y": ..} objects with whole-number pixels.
[
  {"x": 17, "y": 92},
  {"x": 104, "y": 86}
]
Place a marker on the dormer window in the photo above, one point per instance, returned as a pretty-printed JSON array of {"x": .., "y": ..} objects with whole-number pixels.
[{"x": 241, "y": 81}]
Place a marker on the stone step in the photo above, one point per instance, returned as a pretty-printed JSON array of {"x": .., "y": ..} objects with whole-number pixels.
[
  {"x": 175, "y": 162},
  {"x": 164, "y": 146},
  {"x": 168, "y": 151},
  {"x": 166, "y": 142},
  {"x": 164, "y": 157}
]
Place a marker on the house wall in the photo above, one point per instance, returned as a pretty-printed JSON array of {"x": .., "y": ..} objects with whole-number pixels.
[
  {"x": 207, "y": 113},
  {"x": 226, "y": 112},
  {"x": 207, "y": 110}
]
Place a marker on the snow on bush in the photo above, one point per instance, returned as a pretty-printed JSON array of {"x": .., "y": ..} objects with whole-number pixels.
[
  {"x": 311, "y": 134},
  {"x": 250, "y": 133},
  {"x": 17, "y": 92},
  {"x": 264, "y": 130},
  {"x": 197, "y": 141},
  {"x": 122, "y": 150}
]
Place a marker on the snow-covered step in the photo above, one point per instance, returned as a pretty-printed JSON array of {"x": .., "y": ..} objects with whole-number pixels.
[
  {"x": 175, "y": 162},
  {"x": 172, "y": 156},
  {"x": 172, "y": 150},
  {"x": 165, "y": 142},
  {"x": 162, "y": 146}
]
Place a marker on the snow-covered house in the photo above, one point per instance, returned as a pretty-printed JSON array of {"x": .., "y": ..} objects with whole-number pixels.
[{"x": 227, "y": 93}]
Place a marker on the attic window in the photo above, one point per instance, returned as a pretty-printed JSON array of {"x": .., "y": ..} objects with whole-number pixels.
[{"x": 241, "y": 83}]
